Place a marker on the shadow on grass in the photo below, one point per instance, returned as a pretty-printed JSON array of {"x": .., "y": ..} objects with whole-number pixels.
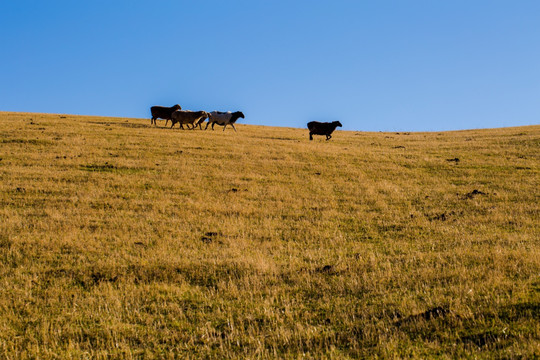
[
  {"x": 484, "y": 331},
  {"x": 203, "y": 275}
]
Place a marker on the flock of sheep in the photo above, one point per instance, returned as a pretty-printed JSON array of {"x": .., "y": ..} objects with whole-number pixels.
[{"x": 196, "y": 118}]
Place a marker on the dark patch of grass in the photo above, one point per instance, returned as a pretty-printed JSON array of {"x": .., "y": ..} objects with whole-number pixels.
[
  {"x": 210, "y": 237},
  {"x": 26, "y": 141},
  {"x": 496, "y": 339},
  {"x": 111, "y": 168},
  {"x": 474, "y": 193},
  {"x": 205, "y": 275},
  {"x": 526, "y": 310},
  {"x": 132, "y": 125},
  {"x": 106, "y": 123},
  {"x": 390, "y": 228},
  {"x": 275, "y": 138},
  {"x": 98, "y": 168},
  {"x": 445, "y": 215},
  {"x": 5, "y": 242},
  {"x": 210, "y": 275}
]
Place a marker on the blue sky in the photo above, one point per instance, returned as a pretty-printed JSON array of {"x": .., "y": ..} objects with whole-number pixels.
[{"x": 374, "y": 65}]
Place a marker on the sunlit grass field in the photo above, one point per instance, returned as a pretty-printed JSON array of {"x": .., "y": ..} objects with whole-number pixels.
[{"x": 123, "y": 240}]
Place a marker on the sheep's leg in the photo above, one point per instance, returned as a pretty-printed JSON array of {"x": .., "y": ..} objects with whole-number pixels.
[
  {"x": 224, "y": 126},
  {"x": 208, "y": 123},
  {"x": 233, "y": 127},
  {"x": 167, "y": 121},
  {"x": 328, "y": 137},
  {"x": 213, "y": 125},
  {"x": 310, "y": 136}
]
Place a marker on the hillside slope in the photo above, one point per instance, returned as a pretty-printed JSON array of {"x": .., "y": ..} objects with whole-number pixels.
[{"x": 119, "y": 239}]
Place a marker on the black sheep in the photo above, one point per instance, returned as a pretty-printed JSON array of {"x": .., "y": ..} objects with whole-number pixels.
[
  {"x": 162, "y": 112},
  {"x": 320, "y": 128}
]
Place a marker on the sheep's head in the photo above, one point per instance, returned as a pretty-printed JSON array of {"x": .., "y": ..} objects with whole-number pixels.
[
  {"x": 177, "y": 107},
  {"x": 240, "y": 114},
  {"x": 338, "y": 123},
  {"x": 203, "y": 116}
]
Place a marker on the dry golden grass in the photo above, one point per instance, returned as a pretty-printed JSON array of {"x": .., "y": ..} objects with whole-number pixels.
[{"x": 122, "y": 240}]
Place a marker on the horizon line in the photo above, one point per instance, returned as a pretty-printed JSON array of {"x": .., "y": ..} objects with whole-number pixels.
[{"x": 286, "y": 127}]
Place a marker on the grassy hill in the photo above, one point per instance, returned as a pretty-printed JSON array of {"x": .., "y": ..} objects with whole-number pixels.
[{"x": 122, "y": 240}]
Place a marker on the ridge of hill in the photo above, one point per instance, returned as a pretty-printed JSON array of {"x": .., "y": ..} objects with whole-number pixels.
[{"x": 161, "y": 123}]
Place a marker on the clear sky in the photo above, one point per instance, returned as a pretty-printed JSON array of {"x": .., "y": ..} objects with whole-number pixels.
[{"x": 374, "y": 65}]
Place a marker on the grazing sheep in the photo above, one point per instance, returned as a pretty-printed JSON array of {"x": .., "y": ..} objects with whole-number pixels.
[
  {"x": 223, "y": 118},
  {"x": 187, "y": 117},
  {"x": 319, "y": 128},
  {"x": 162, "y": 112}
]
